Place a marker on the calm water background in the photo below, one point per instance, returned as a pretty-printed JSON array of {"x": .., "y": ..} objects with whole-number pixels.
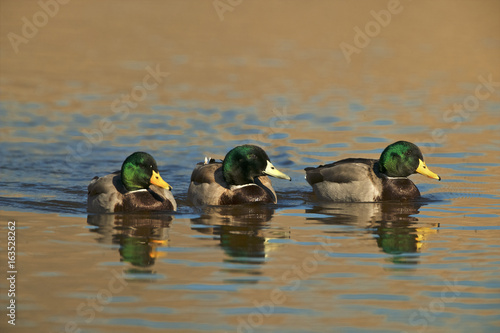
[{"x": 100, "y": 81}]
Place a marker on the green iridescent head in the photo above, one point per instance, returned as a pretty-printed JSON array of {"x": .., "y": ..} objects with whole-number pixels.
[
  {"x": 243, "y": 163},
  {"x": 139, "y": 170},
  {"x": 402, "y": 159}
]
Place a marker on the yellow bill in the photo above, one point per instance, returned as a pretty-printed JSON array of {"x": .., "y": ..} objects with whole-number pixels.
[
  {"x": 424, "y": 170},
  {"x": 158, "y": 181},
  {"x": 272, "y": 171}
]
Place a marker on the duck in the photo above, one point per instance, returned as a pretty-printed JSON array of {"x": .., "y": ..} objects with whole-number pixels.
[
  {"x": 239, "y": 179},
  {"x": 137, "y": 187},
  {"x": 370, "y": 180}
]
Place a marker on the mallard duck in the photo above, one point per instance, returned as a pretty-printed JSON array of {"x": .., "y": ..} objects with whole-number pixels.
[
  {"x": 368, "y": 180},
  {"x": 240, "y": 178},
  {"x": 138, "y": 186}
]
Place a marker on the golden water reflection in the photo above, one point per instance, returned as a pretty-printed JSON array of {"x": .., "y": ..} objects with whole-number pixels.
[
  {"x": 394, "y": 225},
  {"x": 138, "y": 235},
  {"x": 244, "y": 231}
]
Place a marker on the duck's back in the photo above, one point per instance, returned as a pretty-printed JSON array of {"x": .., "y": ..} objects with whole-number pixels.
[
  {"x": 104, "y": 193},
  {"x": 348, "y": 180}
]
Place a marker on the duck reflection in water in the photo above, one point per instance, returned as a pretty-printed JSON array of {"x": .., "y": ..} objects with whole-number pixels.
[
  {"x": 139, "y": 236},
  {"x": 394, "y": 225},
  {"x": 244, "y": 231}
]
